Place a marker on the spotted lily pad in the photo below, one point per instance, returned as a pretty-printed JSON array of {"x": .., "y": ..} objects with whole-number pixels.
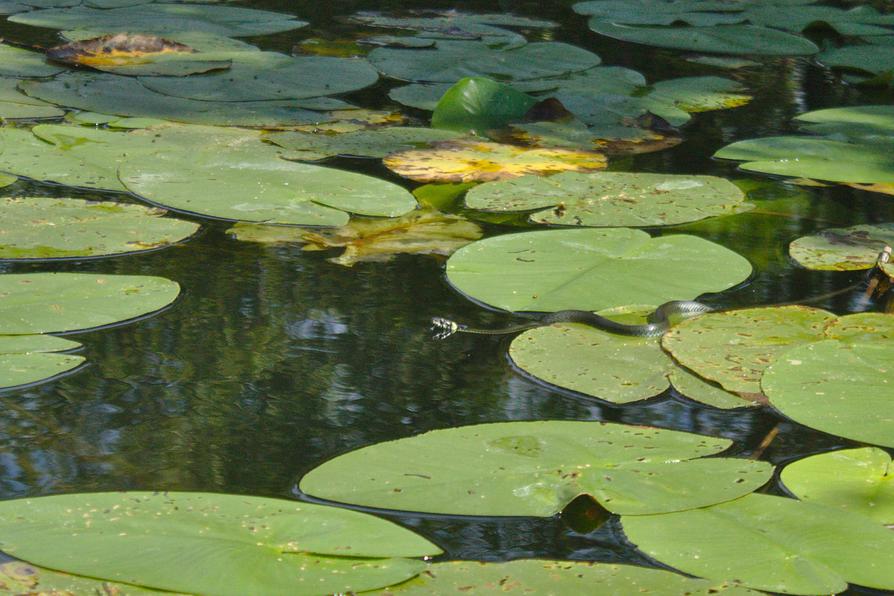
[
  {"x": 161, "y": 19},
  {"x": 18, "y": 577},
  {"x": 127, "y": 54},
  {"x": 611, "y": 199},
  {"x": 211, "y": 543},
  {"x": 616, "y": 368},
  {"x": 467, "y": 161},
  {"x": 843, "y": 387},
  {"x": 557, "y": 577},
  {"x": 305, "y": 146},
  {"x": 47, "y": 228},
  {"x": 29, "y": 359},
  {"x": 591, "y": 269},
  {"x": 537, "y": 468},
  {"x": 57, "y": 302},
  {"x": 793, "y": 547},
  {"x": 843, "y": 249},
  {"x": 856, "y": 480},
  {"x": 419, "y": 232}
]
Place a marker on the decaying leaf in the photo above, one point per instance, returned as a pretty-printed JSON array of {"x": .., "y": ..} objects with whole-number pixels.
[
  {"x": 343, "y": 121},
  {"x": 467, "y": 161},
  {"x": 368, "y": 239}
]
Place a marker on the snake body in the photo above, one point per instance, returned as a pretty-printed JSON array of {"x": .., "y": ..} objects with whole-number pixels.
[{"x": 659, "y": 321}]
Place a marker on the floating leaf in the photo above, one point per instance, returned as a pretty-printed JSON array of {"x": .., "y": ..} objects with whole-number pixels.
[
  {"x": 7, "y": 180},
  {"x": 478, "y": 104},
  {"x": 19, "y": 63},
  {"x": 127, "y": 54},
  {"x": 856, "y": 480},
  {"x": 244, "y": 183},
  {"x": 15, "y": 105},
  {"x": 530, "y": 576},
  {"x": 591, "y": 269},
  {"x": 211, "y": 543},
  {"x": 47, "y": 228},
  {"x": 266, "y": 76},
  {"x": 843, "y": 249},
  {"x": 734, "y": 348},
  {"x": 874, "y": 59},
  {"x": 57, "y": 302},
  {"x": 304, "y": 146},
  {"x": 611, "y": 199},
  {"x": 537, "y": 468},
  {"x": 718, "y": 39},
  {"x": 342, "y": 121},
  {"x": 125, "y": 96},
  {"x": 815, "y": 385},
  {"x": 18, "y": 577},
  {"x": 163, "y": 19},
  {"x": 28, "y": 359},
  {"x": 723, "y": 62},
  {"x": 644, "y": 12},
  {"x": 451, "y": 61},
  {"x": 792, "y": 546},
  {"x": 697, "y": 389},
  {"x": 419, "y": 232},
  {"x": 467, "y": 161}
]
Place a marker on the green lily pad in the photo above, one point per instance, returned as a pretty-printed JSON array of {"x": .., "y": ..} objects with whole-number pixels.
[
  {"x": 211, "y": 543},
  {"x": 480, "y": 104},
  {"x": 47, "y": 228},
  {"x": 557, "y": 577},
  {"x": 537, "y": 468},
  {"x": 243, "y": 183},
  {"x": 843, "y": 249},
  {"x": 305, "y": 146},
  {"x": 163, "y": 19},
  {"x": 451, "y": 61},
  {"x": 860, "y": 20},
  {"x": 15, "y": 105},
  {"x": 872, "y": 123},
  {"x": 793, "y": 547},
  {"x": 591, "y": 269},
  {"x": 7, "y": 180},
  {"x": 29, "y": 359},
  {"x": 629, "y": 368},
  {"x": 265, "y": 76},
  {"x": 815, "y": 385},
  {"x": 856, "y": 480},
  {"x": 58, "y": 302},
  {"x": 125, "y": 96},
  {"x": 733, "y": 348},
  {"x": 611, "y": 199},
  {"x": 723, "y": 62},
  {"x": 874, "y": 59},
  {"x": 644, "y": 12},
  {"x": 18, "y": 577},
  {"x": 19, "y": 63},
  {"x": 718, "y": 39},
  {"x": 472, "y": 160}
]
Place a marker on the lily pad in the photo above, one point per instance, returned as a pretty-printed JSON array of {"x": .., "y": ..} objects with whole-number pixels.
[
  {"x": 19, "y": 63},
  {"x": 591, "y": 269},
  {"x": 29, "y": 359},
  {"x": 160, "y": 19},
  {"x": 467, "y": 161},
  {"x": 843, "y": 249},
  {"x": 18, "y": 577},
  {"x": 717, "y": 39},
  {"x": 58, "y": 302},
  {"x": 644, "y": 12},
  {"x": 47, "y": 228},
  {"x": 425, "y": 96},
  {"x": 125, "y": 96},
  {"x": 874, "y": 59},
  {"x": 856, "y": 480},
  {"x": 611, "y": 199},
  {"x": 815, "y": 385},
  {"x": 127, "y": 54},
  {"x": 557, "y": 577},
  {"x": 305, "y": 146},
  {"x": 15, "y": 105},
  {"x": 244, "y": 184},
  {"x": 419, "y": 232},
  {"x": 537, "y": 468},
  {"x": 451, "y": 61},
  {"x": 793, "y": 547},
  {"x": 266, "y": 76},
  {"x": 7, "y": 180},
  {"x": 211, "y": 543},
  {"x": 733, "y": 348},
  {"x": 480, "y": 104}
]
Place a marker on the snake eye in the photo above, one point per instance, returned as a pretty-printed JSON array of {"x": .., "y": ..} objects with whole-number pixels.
[{"x": 442, "y": 328}]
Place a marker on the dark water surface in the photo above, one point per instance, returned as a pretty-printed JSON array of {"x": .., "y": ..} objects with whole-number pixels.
[{"x": 274, "y": 360}]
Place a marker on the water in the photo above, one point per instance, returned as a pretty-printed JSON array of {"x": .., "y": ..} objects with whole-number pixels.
[{"x": 274, "y": 360}]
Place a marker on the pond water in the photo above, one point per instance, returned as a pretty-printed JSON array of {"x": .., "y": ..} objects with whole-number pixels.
[{"x": 274, "y": 360}]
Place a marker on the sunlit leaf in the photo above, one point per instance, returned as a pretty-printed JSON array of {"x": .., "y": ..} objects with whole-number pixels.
[
  {"x": 28, "y": 359},
  {"x": 480, "y": 104},
  {"x": 843, "y": 249}
]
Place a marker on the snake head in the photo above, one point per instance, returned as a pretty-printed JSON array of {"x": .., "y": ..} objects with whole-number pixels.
[{"x": 443, "y": 328}]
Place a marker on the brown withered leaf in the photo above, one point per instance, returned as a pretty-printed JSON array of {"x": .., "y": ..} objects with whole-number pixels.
[{"x": 374, "y": 239}]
